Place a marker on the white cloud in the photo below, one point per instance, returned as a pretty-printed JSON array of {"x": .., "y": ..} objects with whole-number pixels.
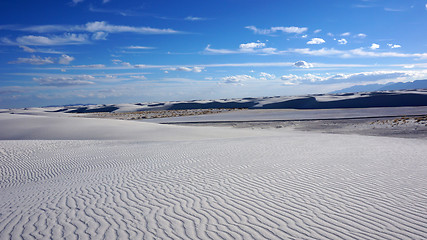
[
  {"x": 34, "y": 50},
  {"x": 303, "y": 64},
  {"x": 105, "y": 1},
  {"x": 66, "y": 39},
  {"x": 394, "y": 45},
  {"x": 208, "y": 49},
  {"x": 65, "y": 81},
  {"x": 316, "y": 41},
  {"x": 99, "y": 36},
  {"x": 97, "y": 26},
  {"x": 90, "y": 66},
  {"x": 346, "y": 34},
  {"x": 304, "y": 36},
  {"x": 361, "y": 77},
  {"x": 252, "y": 45},
  {"x": 191, "y": 18},
  {"x": 266, "y": 76},
  {"x": 255, "y": 48},
  {"x": 237, "y": 79},
  {"x": 297, "y": 30},
  {"x": 358, "y": 52},
  {"x": 291, "y": 79},
  {"x": 28, "y": 49},
  {"x": 342, "y": 41},
  {"x": 374, "y": 46},
  {"x": 317, "y": 30},
  {"x": 185, "y": 69},
  {"x": 33, "y": 60},
  {"x": 65, "y": 59},
  {"x": 77, "y": 1},
  {"x": 361, "y": 35},
  {"x": 139, "y": 47},
  {"x": 102, "y": 26},
  {"x": 140, "y": 77}
]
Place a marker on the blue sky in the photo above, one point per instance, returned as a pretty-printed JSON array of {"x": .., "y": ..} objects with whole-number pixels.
[{"x": 109, "y": 51}]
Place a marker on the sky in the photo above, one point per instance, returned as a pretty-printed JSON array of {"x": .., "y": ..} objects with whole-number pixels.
[{"x": 109, "y": 51}]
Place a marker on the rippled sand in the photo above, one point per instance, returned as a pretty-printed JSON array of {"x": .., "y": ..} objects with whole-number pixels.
[{"x": 65, "y": 178}]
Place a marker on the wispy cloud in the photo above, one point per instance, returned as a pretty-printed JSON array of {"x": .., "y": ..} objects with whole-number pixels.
[
  {"x": 89, "y": 66},
  {"x": 272, "y": 30},
  {"x": 253, "y": 48},
  {"x": 65, "y": 81},
  {"x": 97, "y": 26},
  {"x": 139, "y": 47},
  {"x": 32, "y": 40},
  {"x": 191, "y": 18},
  {"x": 358, "y": 52},
  {"x": 185, "y": 69},
  {"x": 37, "y": 60},
  {"x": 39, "y": 50},
  {"x": 33, "y": 60}
]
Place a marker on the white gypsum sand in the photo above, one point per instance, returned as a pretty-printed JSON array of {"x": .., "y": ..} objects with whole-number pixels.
[{"x": 73, "y": 178}]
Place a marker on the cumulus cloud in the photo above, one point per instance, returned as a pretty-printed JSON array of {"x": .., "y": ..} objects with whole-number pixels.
[
  {"x": 291, "y": 79},
  {"x": 303, "y": 64},
  {"x": 374, "y": 46},
  {"x": 352, "y": 77},
  {"x": 316, "y": 41},
  {"x": 33, "y": 60},
  {"x": 251, "y": 45},
  {"x": 297, "y": 30},
  {"x": 394, "y": 45},
  {"x": 65, "y": 81},
  {"x": 266, "y": 76},
  {"x": 237, "y": 79},
  {"x": 65, "y": 59},
  {"x": 342, "y": 41}
]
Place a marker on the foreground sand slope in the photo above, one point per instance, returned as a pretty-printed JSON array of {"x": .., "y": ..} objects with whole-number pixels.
[{"x": 191, "y": 183}]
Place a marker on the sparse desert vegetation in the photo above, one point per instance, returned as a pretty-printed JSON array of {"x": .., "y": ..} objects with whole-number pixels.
[{"x": 159, "y": 113}]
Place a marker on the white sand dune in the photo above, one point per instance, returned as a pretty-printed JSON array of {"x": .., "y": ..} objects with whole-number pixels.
[{"x": 71, "y": 178}]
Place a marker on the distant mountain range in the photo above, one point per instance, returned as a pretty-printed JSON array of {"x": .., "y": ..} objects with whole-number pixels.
[{"x": 419, "y": 84}]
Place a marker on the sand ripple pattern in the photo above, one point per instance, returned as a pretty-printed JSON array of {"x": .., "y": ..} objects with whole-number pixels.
[{"x": 302, "y": 186}]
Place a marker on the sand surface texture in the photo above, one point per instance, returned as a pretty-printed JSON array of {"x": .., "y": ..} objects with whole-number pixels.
[{"x": 73, "y": 178}]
